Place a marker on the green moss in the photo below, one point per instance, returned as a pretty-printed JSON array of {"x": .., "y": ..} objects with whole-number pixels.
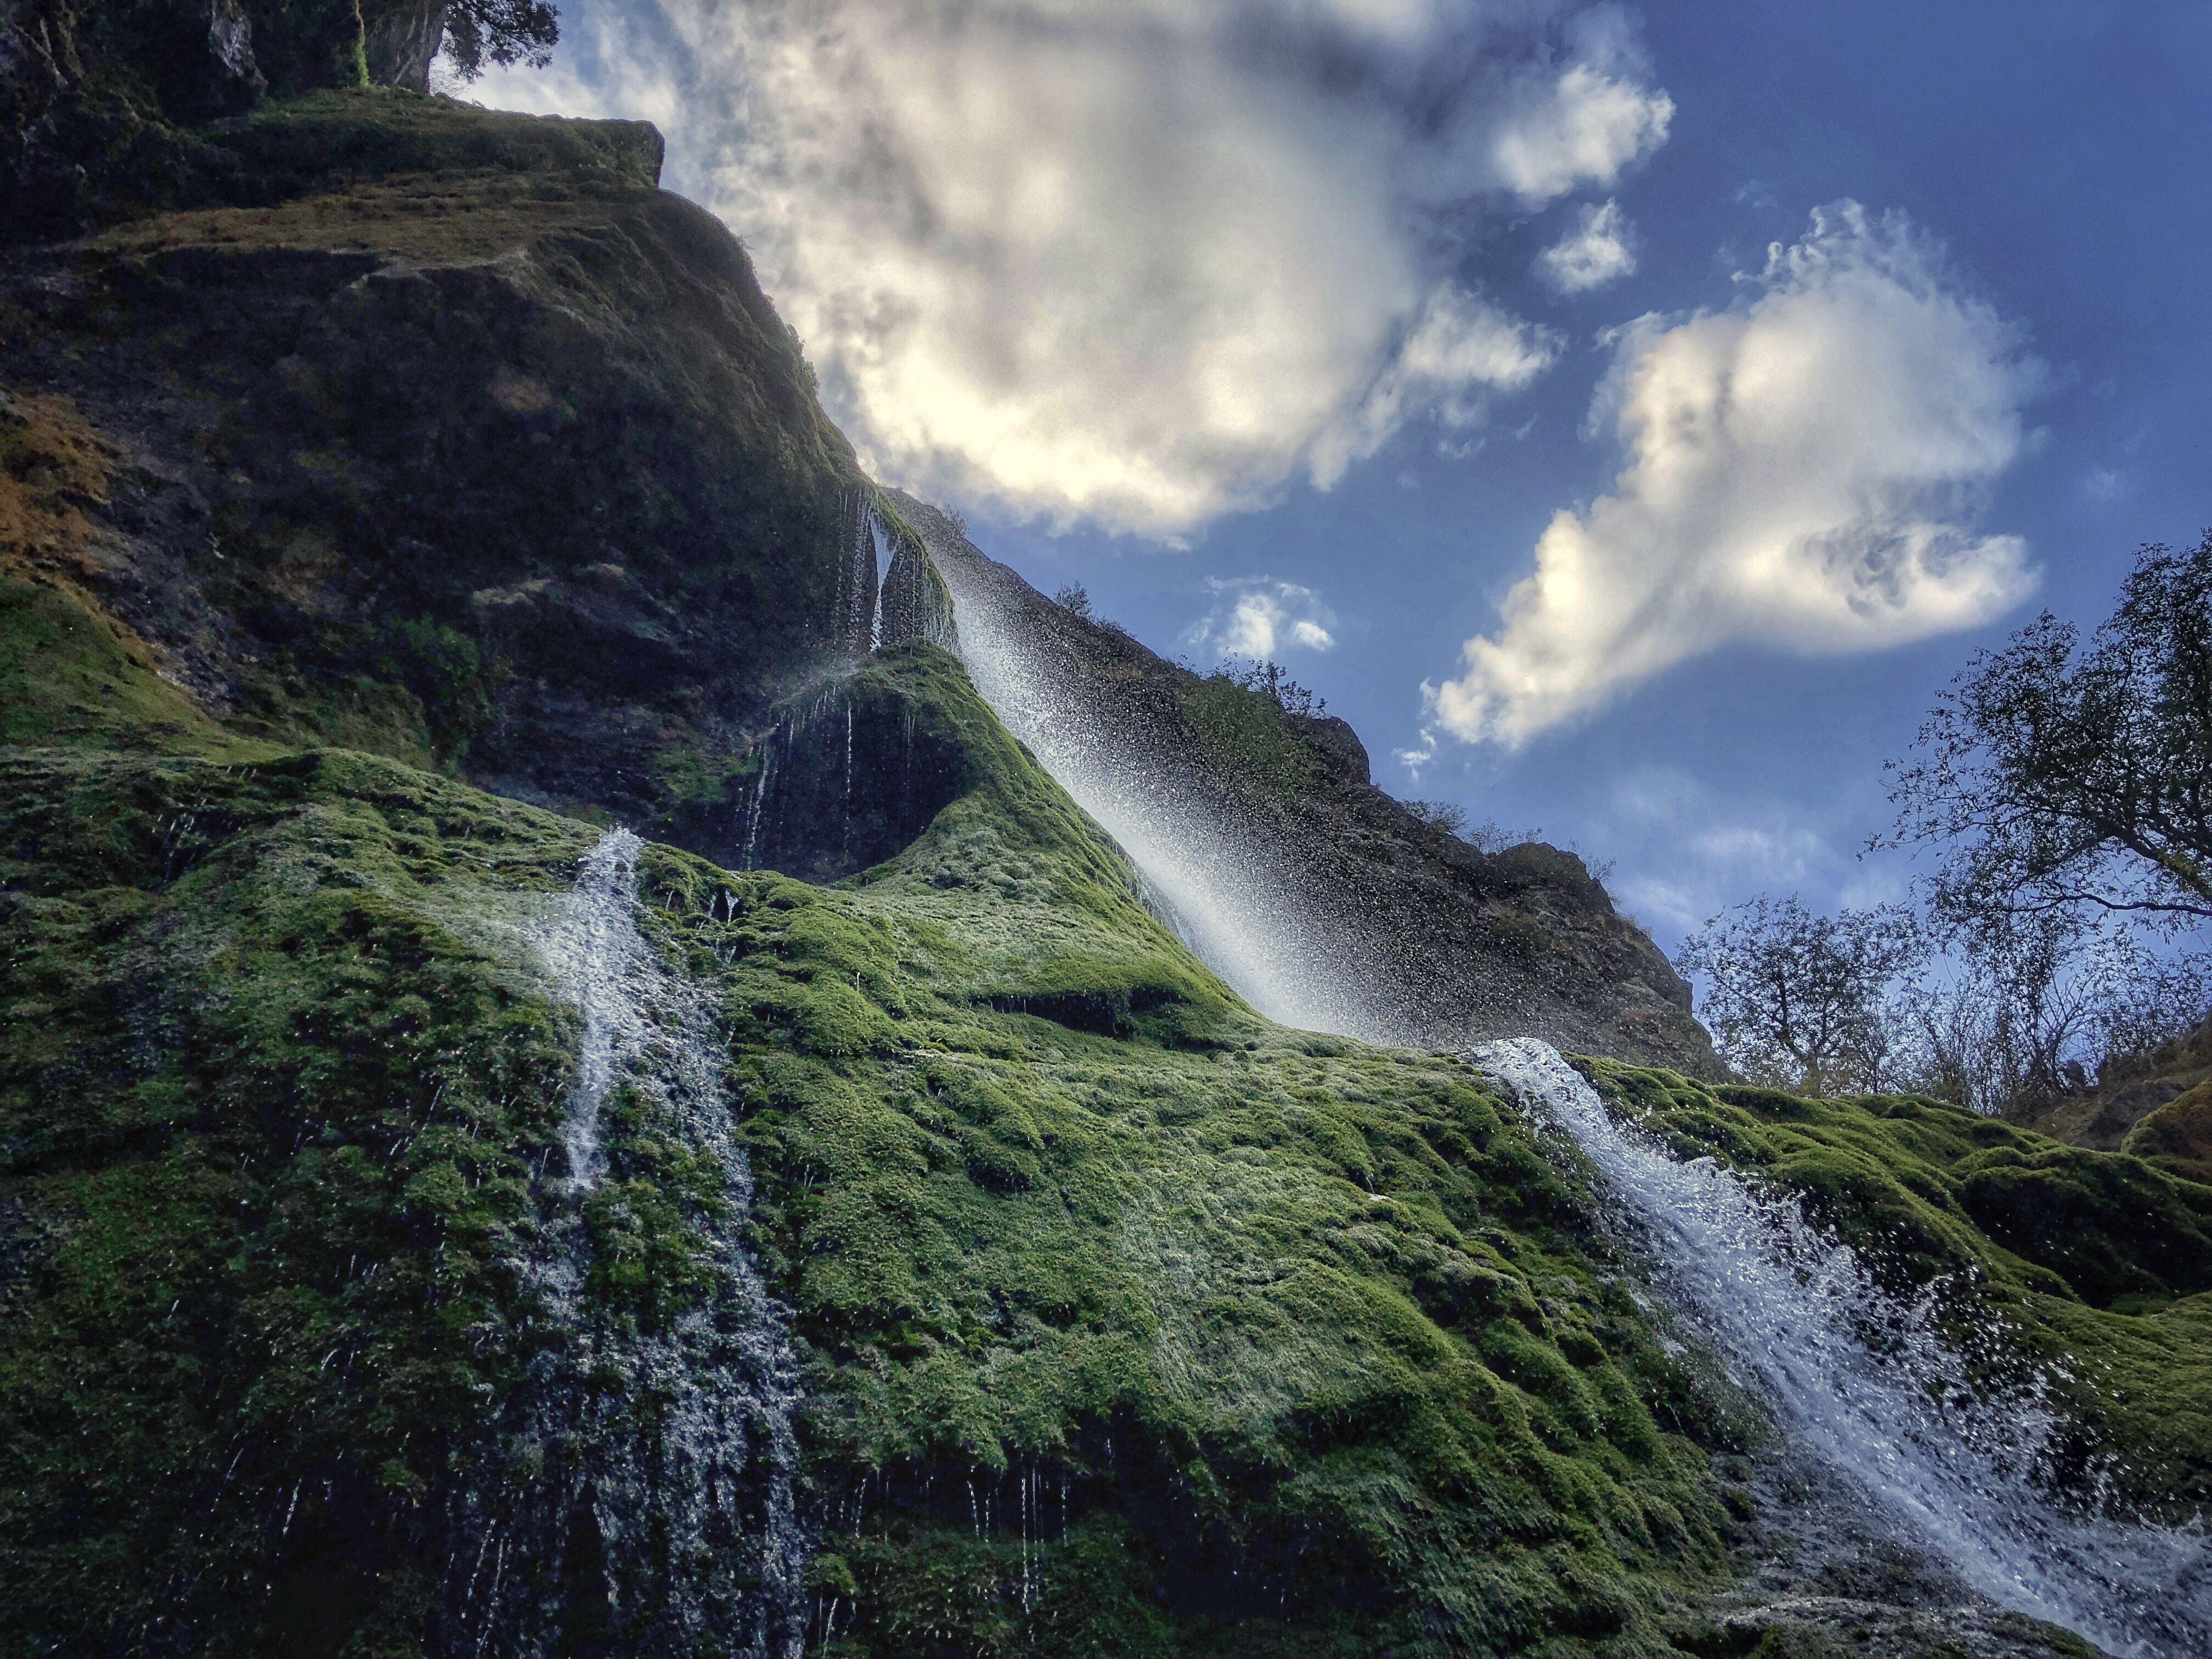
[
  {"x": 70, "y": 676},
  {"x": 1267, "y": 1343},
  {"x": 271, "y": 1123},
  {"x": 2099, "y": 1264},
  {"x": 366, "y": 132},
  {"x": 1098, "y": 1323},
  {"x": 414, "y": 690},
  {"x": 1248, "y": 731}
]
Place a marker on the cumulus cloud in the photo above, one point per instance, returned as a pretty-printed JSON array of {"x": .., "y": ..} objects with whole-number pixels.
[
  {"x": 1142, "y": 263},
  {"x": 1803, "y": 470},
  {"x": 1259, "y": 617},
  {"x": 1461, "y": 348},
  {"x": 1599, "y": 247}
]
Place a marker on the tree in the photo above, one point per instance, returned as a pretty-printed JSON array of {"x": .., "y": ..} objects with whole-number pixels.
[
  {"x": 1444, "y": 814},
  {"x": 1802, "y": 1002},
  {"x": 2062, "y": 777},
  {"x": 1272, "y": 680},
  {"x": 480, "y": 31},
  {"x": 2044, "y": 1007}
]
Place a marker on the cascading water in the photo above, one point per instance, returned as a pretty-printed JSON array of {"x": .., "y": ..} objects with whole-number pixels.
[
  {"x": 641, "y": 1483},
  {"x": 1223, "y": 886},
  {"x": 1861, "y": 1382}
]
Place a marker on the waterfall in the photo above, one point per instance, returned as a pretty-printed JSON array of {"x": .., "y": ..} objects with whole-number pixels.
[
  {"x": 1237, "y": 900},
  {"x": 882, "y": 547},
  {"x": 1861, "y": 1381},
  {"x": 598, "y": 958},
  {"x": 642, "y": 1476}
]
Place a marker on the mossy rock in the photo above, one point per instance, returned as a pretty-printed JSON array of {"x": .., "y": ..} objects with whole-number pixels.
[
  {"x": 2178, "y": 1136},
  {"x": 1186, "y": 1335},
  {"x": 1248, "y": 732}
]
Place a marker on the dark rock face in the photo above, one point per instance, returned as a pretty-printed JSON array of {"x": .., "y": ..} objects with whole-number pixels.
[
  {"x": 508, "y": 465},
  {"x": 1424, "y": 938},
  {"x": 105, "y": 105},
  {"x": 852, "y": 773}
]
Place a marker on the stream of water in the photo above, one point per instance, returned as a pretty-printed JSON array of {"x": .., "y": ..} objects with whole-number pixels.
[
  {"x": 1860, "y": 1380},
  {"x": 642, "y": 1480}
]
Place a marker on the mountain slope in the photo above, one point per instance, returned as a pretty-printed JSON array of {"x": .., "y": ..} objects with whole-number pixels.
[
  {"x": 432, "y": 1221},
  {"x": 1334, "y": 905},
  {"x": 465, "y": 445}
]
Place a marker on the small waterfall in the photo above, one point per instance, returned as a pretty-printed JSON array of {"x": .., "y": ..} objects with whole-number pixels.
[
  {"x": 857, "y": 598},
  {"x": 640, "y": 1482},
  {"x": 757, "y": 802},
  {"x": 594, "y": 954},
  {"x": 1861, "y": 1381},
  {"x": 883, "y": 551}
]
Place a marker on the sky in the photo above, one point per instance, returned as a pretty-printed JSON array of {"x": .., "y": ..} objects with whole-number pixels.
[{"x": 1628, "y": 417}]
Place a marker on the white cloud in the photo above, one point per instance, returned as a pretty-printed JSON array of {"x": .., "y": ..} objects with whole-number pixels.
[
  {"x": 1541, "y": 127},
  {"x": 1599, "y": 247},
  {"x": 1259, "y": 617},
  {"x": 1801, "y": 470},
  {"x": 1140, "y": 264},
  {"x": 1461, "y": 348}
]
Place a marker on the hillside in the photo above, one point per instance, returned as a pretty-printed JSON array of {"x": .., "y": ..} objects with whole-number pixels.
[
  {"x": 1452, "y": 943},
  {"x": 842, "y": 1217}
]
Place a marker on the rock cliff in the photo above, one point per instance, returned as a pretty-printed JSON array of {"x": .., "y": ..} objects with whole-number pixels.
[
  {"x": 849, "y": 1220},
  {"x": 465, "y": 444}
]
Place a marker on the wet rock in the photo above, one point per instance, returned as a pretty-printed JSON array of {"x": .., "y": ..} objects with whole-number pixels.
[
  {"x": 470, "y": 446},
  {"x": 1821, "y": 1580}
]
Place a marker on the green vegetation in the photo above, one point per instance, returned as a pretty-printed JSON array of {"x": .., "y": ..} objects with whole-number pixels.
[
  {"x": 1246, "y": 1341},
  {"x": 1243, "y": 726},
  {"x": 1292, "y": 1346},
  {"x": 2098, "y": 1262},
  {"x": 70, "y": 675},
  {"x": 270, "y": 1123},
  {"x": 352, "y": 136}
]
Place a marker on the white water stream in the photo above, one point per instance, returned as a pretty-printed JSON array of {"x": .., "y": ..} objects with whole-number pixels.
[
  {"x": 668, "y": 1437},
  {"x": 1860, "y": 1380}
]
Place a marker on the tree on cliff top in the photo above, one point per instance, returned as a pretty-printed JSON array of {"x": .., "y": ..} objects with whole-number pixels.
[
  {"x": 480, "y": 31},
  {"x": 2062, "y": 777}
]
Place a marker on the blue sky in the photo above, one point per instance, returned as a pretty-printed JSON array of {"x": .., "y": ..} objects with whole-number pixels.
[{"x": 1244, "y": 317}]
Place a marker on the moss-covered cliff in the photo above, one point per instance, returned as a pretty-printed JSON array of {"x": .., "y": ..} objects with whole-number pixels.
[
  {"x": 1129, "y": 1322},
  {"x": 363, "y": 553}
]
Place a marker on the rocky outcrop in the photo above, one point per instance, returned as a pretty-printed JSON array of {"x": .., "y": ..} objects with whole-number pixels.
[
  {"x": 400, "y": 42},
  {"x": 465, "y": 443},
  {"x": 109, "y": 109},
  {"x": 2157, "y": 1106}
]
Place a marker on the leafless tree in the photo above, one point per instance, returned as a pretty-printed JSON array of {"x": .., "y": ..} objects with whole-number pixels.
[{"x": 1803, "y": 1002}]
